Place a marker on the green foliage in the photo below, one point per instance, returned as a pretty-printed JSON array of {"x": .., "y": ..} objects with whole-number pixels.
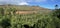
[{"x": 12, "y": 20}]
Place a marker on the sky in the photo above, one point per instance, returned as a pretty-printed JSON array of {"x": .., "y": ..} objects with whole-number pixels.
[{"x": 42, "y": 3}]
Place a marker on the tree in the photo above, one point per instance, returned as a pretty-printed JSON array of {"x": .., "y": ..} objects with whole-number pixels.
[{"x": 56, "y": 6}]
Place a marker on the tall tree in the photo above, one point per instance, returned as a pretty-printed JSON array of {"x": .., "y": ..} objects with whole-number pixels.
[{"x": 56, "y": 6}]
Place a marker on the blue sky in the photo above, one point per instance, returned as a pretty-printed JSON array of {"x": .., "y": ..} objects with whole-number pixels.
[{"x": 43, "y": 3}]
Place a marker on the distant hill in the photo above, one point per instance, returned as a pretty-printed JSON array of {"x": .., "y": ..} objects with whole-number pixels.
[{"x": 27, "y": 8}]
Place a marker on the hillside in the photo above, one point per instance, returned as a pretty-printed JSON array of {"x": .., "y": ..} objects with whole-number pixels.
[{"x": 28, "y": 9}]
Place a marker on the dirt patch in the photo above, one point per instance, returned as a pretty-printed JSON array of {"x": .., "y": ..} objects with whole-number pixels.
[{"x": 25, "y": 12}]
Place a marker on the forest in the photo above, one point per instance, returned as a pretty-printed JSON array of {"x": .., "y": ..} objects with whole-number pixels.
[{"x": 8, "y": 19}]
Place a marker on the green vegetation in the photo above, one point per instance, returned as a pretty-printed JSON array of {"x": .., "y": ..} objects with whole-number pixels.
[{"x": 8, "y": 19}]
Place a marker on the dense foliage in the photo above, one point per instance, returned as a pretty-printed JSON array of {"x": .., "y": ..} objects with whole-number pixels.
[{"x": 8, "y": 19}]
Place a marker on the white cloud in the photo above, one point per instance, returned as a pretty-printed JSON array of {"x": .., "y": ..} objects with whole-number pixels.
[
  {"x": 24, "y": 0},
  {"x": 1, "y": 0},
  {"x": 20, "y": 2},
  {"x": 23, "y": 3}
]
